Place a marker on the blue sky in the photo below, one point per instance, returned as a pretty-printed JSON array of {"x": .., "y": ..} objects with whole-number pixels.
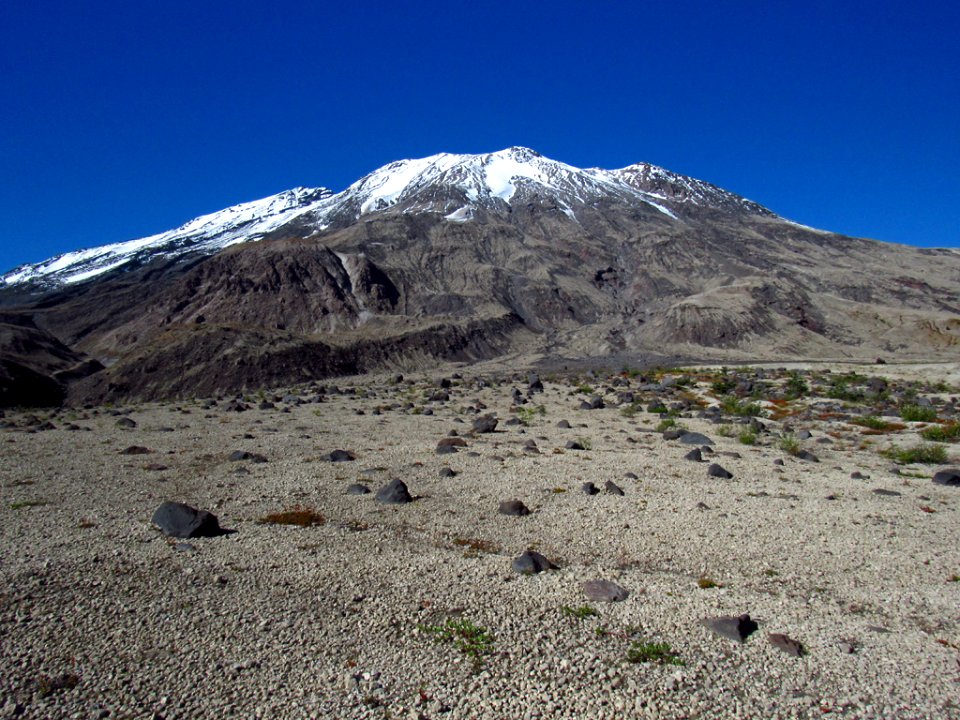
[{"x": 121, "y": 119}]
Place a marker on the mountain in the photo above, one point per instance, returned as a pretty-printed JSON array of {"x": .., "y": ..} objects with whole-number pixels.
[{"x": 467, "y": 257}]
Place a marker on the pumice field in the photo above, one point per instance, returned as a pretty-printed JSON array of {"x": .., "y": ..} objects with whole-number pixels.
[{"x": 477, "y": 542}]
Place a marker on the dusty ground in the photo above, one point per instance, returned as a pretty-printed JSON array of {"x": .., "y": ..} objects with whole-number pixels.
[{"x": 102, "y": 616}]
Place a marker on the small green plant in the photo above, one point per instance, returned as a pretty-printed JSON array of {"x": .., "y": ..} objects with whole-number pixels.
[
  {"x": 585, "y": 388},
  {"x": 748, "y": 437},
  {"x": 874, "y": 423},
  {"x": 796, "y": 386},
  {"x": 705, "y": 583},
  {"x": 298, "y": 515},
  {"x": 790, "y": 445},
  {"x": 918, "y": 413},
  {"x": 28, "y": 504},
  {"x": 726, "y": 431},
  {"x": 949, "y": 432},
  {"x": 642, "y": 652},
  {"x": 629, "y": 411},
  {"x": 526, "y": 415},
  {"x": 734, "y": 406},
  {"x": 472, "y": 640},
  {"x": 723, "y": 385},
  {"x": 666, "y": 424},
  {"x": 925, "y": 454},
  {"x": 580, "y": 613},
  {"x": 585, "y": 443}
]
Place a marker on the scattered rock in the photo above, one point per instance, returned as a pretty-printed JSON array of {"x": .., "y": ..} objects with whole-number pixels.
[
  {"x": 136, "y": 450},
  {"x": 513, "y": 507},
  {"x": 950, "y": 476},
  {"x": 450, "y": 445},
  {"x": 341, "y": 456},
  {"x": 695, "y": 438},
  {"x": 394, "y": 493},
  {"x": 485, "y": 424},
  {"x": 447, "y": 472},
  {"x": 604, "y": 591},
  {"x": 674, "y": 433},
  {"x": 574, "y": 445},
  {"x": 808, "y": 456},
  {"x": 611, "y": 487},
  {"x": 564, "y": 424},
  {"x": 126, "y": 422},
  {"x": 238, "y": 455},
  {"x": 357, "y": 489},
  {"x": 787, "y": 644},
  {"x": 589, "y": 488},
  {"x": 732, "y": 627},
  {"x": 530, "y": 563},
  {"x": 887, "y": 493},
  {"x": 719, "y": 471},
  {"x": 695, "y": 455},
  {"x": 182, "y": 521}
]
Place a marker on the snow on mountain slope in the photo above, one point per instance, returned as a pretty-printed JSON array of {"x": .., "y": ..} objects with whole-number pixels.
[{"x": 453, "y": 185}]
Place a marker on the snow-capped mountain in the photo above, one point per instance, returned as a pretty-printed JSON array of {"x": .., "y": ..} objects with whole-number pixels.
[{"x": 453, "y": 185}]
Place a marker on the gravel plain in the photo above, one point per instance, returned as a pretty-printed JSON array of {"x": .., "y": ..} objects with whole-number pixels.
[{"x": 102, "y": 616}]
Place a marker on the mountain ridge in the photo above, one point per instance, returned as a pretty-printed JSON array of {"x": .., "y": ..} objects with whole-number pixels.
[{"x": 472, "y": 257}]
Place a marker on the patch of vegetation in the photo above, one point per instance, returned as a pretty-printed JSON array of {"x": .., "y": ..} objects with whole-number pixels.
[
  {"x": 585, "y": 443},
  {"x": 526, "y": 415},
  {"x": 28, "y": 504},
  {"x": 726, "y": 431},
  {"x": 734, "y": 406},
  {"x": 643, "y": 652},
  {"x": 629, "y": 411},
  {"x": 840, "y": 388},
  {"x": 298, "y": 515},
  {"x": 796, "y": 386},
  {"x": 925, "y": 453},
  {"x": 918, "y": 413},
  {"x": 875, "y": 423},
  {"x": 474, "y": 547},
  {"x": 790, "y": 445},
  {"x": 580, "y": 613},
  {"x": 666, "y": 424},
  {"x": 949, "y": 432},
  {"x": 585, "y": 388},
  {"x": 472, "y": 640},
  {"x": 705, "y": 583},
  {"x": 748, "y": 437},
  {"x": 723, "y": 385}
]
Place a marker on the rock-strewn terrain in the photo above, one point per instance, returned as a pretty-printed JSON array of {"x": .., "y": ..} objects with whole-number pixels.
[{"x": 368, "y": 609}]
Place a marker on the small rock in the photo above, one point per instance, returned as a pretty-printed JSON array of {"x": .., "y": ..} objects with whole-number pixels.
[
  {"x": 589, "y": 488},
  {"x": 611, "y": 487},
  {"x": 394, "y": 493},
  {"x": 238, "y": 455},
  {"x": 695, "y": 455},
  {"x": 695, "y": 438},
  {"x": 604, "y": 591},
  {"x": 485, "y": 424},
  {"x": 357, "y": 489},
  {"x": 341, "y": 456},
  {"x": 447, "y": 473},
  {"x": 530, "y": 563},
  {"x": 719, "y": 471},
  {"x": 126, "y": 422},
  {"x": 513, "y": 507},
  {"x": 950, "y": 476},
  {"x": 182, "y": 521},
  {"x": 563, "y": 424},
  {"x": 887, "y": 493},
  {"x": 136, "y": 450},
  {"x": 732, "y": 627},
  {"x": 808, "y": 456},
  {"x": 787, "y": 644},
  {"x": 574, "y": 445}
]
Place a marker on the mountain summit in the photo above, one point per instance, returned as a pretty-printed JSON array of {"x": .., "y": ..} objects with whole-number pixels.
[
  {"x": 453, "y": 185},
  {"x": 465, "y": 257}
]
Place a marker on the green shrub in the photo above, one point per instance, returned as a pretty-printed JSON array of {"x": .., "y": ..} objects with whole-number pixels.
[
  {"x": 872, "y": 422},
  {"x": 796, "y": 386},
  {"x": 748, "y": 437},
  {"x": 580, "y": 613},
  {"x": 642, "y": 652},
  {"x": 472, "y": 640},
  {"x": 917, "y": 413},
  {"x": 790, "y": 445},
  {"x": 942, "y": 433},
  {"x": 926, "y": 454},
  {"x": 733, "y": 406}
]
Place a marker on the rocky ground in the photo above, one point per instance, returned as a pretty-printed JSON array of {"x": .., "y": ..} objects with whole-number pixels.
[{"x": 830, "y": 533}]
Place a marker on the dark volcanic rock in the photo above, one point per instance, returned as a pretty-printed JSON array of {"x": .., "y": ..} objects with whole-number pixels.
[
  {"x": 695, "y": 438},
  {"x": 357, "y": 489},
  {"x": 574, "y": 445},
  {"x": 604, "y": 591},
  {"x": 394, "y": 493},
  {"x": 589, "y": 488},
  {"x": 950, "y": 476},
  {"x": 513, "y": 507},
  {"x": 485, "y": 424},
  {"x": 126, "y": 422},
  {"x": 136, "y": 450},
  {"x": 695, "y": 455},
  {"x": 182, "y": 521},
  {"x": 718, "y": 471},
  {"x": 611, "y": 487},
  {"x": 238, "y": 455},
  {"x": 787, "y": 644},
  {"x": 564, "y": 424},
  {"x": 530, "y": 563},
  {"x": 733, "y": 627},
  {"x": 341, "y": 456}
]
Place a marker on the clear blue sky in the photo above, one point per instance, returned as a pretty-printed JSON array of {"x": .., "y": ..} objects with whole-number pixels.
[{"x": 121, "y": 119}]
